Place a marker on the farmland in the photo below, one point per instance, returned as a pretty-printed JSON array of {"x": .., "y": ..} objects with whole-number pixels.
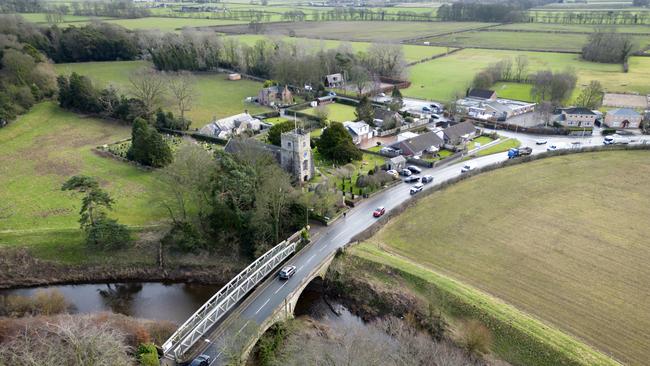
[
  {"x": 217, "y": 96},
  {"x": 523, "y": 235},
  {"x": 442, "y": 78}
]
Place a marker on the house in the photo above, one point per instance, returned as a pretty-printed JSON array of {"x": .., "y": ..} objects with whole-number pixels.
[
  {"x": 577, "y": 117},
  {"x": 459, "y": 134},
  {"x": 406, "y": 135},
  {"x": 499, "y": 109},
  {"x": 396, "y": 163},
  {"x": 387, "y": 119},
  {"x": 623, "y": 118},
  {"x": 235, "y": 125},
  {"x": 275, "y": 95},
  {"x": 334, "y": 80},
  {"x": 428, "y": 142},
  {"x": 360, "y": 131},
  {"x": 483, "y": 94}
]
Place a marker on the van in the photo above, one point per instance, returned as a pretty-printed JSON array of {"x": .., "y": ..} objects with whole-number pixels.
[{"x": 467, "y": 167}]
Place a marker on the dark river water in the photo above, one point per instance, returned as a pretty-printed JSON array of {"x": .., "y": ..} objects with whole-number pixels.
[{"x": 174, "y": 302}]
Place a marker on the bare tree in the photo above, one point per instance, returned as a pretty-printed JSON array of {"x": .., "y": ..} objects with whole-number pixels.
[
  {"x": 150, "y": 87},
  {"x": 359, "y": 77},
  {"x": 182, "y": 88},
  {"x": 591, "y": 96},
  {"x": 521, "y": 66},
  {"x": 386, "y": 60}
]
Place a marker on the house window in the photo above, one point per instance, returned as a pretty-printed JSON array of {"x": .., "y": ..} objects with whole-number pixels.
[
  {"x": 289, "y": 144},
  {"x": 305, "y": 164}
]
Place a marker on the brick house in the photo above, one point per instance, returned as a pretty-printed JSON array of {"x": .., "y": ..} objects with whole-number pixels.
[
  {"x": 577, "y": 117},
  {"x": 275, "y": 95},
  {"x": 623, "y": 118}
]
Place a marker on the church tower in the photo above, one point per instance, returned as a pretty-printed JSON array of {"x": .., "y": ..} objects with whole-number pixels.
[{"x": 295, "y": 154}]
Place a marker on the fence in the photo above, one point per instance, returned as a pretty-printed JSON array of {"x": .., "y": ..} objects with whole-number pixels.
[{"x": 214, "y": 309}]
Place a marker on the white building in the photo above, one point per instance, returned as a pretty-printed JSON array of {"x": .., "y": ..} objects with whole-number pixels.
[
  {"x": 235, "y": 125},
  {"x": 360, "y": 131}
]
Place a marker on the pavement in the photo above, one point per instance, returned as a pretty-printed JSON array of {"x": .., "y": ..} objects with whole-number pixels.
[{"x": 271, "y": 294}]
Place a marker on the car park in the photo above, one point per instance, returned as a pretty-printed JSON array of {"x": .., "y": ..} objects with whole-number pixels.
[
  {"x": 379, "y": 211},
  {"x": 541, "y": 142},
  {"x": 202, "y": 360},
  {"x": 405, "y": 172},
  {"x": 467, "y": 167},
  {"x": 427, "y": 179},
  {"x": 416, "y": 188},
  {"x": 287, "y": 272},
  {"x": 412, "y": 178},
  {"x": 414, "y": 169}
]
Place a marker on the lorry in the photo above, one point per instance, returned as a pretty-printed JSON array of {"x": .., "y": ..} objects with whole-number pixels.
[{"x": 519, "y": 151}]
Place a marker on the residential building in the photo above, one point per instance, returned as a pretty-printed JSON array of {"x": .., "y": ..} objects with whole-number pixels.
[
  {"x": 387, "y": 119},
  {"x": 623, "y": 118},
  {"x": 459, "y": 134},
  {"x": 428, "y": 142},
  {"x": 334, "y": 80},
  {"x": 360, "y": 131},
  {"x": 483, "y": 94},
  {"x": 228, "y": 127},
  {"x": 396, "y": 163},
  {"x": 295, "y": 154},
  {"x": 275, "y": 95},
  {"x": 499, "y": 109},
  {"x": 406, "y": 135},
  {"x": 577, "y": 117}
]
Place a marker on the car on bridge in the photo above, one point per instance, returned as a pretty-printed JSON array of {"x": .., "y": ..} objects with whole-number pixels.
[
  {"x": 379, "y": 211},
  {"x": 202, "y": 360},
  {"x": 287, "y": 272}
]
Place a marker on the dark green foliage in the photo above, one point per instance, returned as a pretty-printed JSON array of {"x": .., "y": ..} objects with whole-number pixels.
[
  {"x": 275, "y": 132},
  {"x": 167, "y": 120},
  {"x": 76, "y": 92},
  {"x": 270, "y": 342},
  {"x": 147, "y": 355},
  {"x": 147, "y": 146},
  {"x": 95, "y": 42},
  {"x": 108, "y": 234},
  {"x": 183, "y": 237},
  {"x": 336, "y": 144},
  {"x": 364, "y": 111}
]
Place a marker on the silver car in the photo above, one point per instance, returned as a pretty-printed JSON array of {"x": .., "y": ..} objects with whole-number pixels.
[{"x": 287, "y": 272}]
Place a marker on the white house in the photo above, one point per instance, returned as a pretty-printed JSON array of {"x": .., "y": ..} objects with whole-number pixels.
[
  {"x": 360, "y": 131},
  {"x": 231, "y": 126}
]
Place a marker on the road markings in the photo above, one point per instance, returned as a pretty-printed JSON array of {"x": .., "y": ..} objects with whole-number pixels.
[
  {"x": 243, "y": 326},
  {"x": 280, "y": 288},
  {"x": 321, "y": 248},
  {"x": 310, "y": 258},
  {"x": 299, "y": 268},
  {"x": 265, "y": 302}
]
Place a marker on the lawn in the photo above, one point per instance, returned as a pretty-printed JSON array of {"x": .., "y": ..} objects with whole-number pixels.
[
  {"x": 44, "y": 148},
  {"x": 551, "y": 238},
  {"x": 516, "y": 91},
  {"x": 217, "y": 96},
  {"x": 170, "y": 24},
  {"x": 500, "y": 147},
  {"x": 443, "y": 78},
  {"x": 328, "y": 169},
  {"x": 483, "y": 140},
  {"x": 336, "y": 112}
]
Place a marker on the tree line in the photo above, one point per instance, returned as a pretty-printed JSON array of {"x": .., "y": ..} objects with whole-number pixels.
[
  {"x": 608, "y": 46},
  {"x": 508, "y": 11},
  {"x": 113, "y": 8}
]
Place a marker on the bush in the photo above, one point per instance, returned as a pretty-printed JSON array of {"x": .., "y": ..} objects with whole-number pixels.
[
  {"x": 108, "y": 234},
  {"x": 608, "y": 131},
  {"x": 148, "y": 355},
  {"x": 475, "y": 337},
  {"x": 183, "y": 237}
]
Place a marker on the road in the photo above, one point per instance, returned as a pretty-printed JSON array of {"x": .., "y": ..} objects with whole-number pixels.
[{"x": 271, "y": 293}]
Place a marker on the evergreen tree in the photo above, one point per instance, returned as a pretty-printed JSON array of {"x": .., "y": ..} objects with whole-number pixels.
[
  {"x": 336, "y": 144},
  {"x": 148, "y": 146},
  {"x": 276, "y": 131},
  {"x": 365, "y": 112},
  {"x": 397, "y": 101}
]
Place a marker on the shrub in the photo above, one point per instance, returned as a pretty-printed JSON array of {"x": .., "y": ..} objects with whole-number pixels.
[
  {"x": 108, "y": 234},
  {"x": 148, "y": 355},
  {"x": 475, "y": 337},
  {"x": 608, "y": 131},
  {"x": 183, "y": 237}
]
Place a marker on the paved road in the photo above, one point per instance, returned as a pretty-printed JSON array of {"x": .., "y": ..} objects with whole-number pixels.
[{"x": 272, "y": 292}]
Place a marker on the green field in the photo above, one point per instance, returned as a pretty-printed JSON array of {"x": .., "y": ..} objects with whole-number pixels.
[
  {"x": 516, "y": 91},
  {"x": 41, "y": 18},
  {"x": 337, "y": 112},
  {"x": 412, "y": 53},
  {"x": 584, "y": 28},
  {"x": 170, "y": 24},
  {"x": 441, "y": 78},
  {"x": 44, "y": 148},
  {"x": 552, "y": 238},
  {"x": 217, "y": 96}
]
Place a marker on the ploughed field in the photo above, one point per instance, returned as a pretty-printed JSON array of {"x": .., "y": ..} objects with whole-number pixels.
[{"x": 564, "y": 239}]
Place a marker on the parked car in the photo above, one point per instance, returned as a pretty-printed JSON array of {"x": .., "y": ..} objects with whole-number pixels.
[
  {"x": 416, "y": 188},
  {"x": 287, "y": 272},
  {"x": 405, "y": 172},
  {"x": 414, "y": 169},
  {"x": 541, "y": 142},
  {"x": 379, "y": 211},
  {"x": 467, "y": 167},
  {"x": 202, "y": 360},
  {"x": 551, "y": 148},
  {"x": 427, "y": 109},
  {"x": 435, "y": 116},
  {"x": 427, "y": 179},
  {"x": 412, "y": 178},
  {"x": 393, "y": 172},
  {"x": 616, "y": 139}
]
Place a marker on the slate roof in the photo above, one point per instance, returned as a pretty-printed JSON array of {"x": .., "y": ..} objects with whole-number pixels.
[
  {"x": 385, "y": 114},
  {"x": 238, "y": 145},
  {"x": 578, "y": 110},
  {"x": 399, "y": 159},
  {"x": 481, "y": 93},
  {"x": 458, "y": 130},
  {"x": 624, "y": 112},
  {"x": 420, "y": 143}
]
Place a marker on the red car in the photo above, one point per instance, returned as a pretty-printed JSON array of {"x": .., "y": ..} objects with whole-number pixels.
[{"x": 379, "y": 211}]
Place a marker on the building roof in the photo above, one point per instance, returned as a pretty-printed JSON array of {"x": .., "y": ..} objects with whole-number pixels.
[
  {"x": 357, "y": 128},
  {"x": 332, "y": 78},
  {"x": 384, "y": 114},
  {"x": 481, "y": 93},
  {"x": 420, "y": 143},
  {"x": 624, "y": 112},
  {"x": 459, "y": 130},
  {"x": 399, "y": 159},
  {"x": 239, "y": 145},
  {"x": 578, "y": 110}
]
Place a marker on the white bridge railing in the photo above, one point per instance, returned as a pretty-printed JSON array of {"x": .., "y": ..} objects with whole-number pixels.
[{"x": 219, "y": 304}]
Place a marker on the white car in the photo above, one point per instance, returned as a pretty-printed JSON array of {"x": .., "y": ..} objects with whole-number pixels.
[
  {"x": 467, "y": 167},
  {"x": 393, "y": 172},
  {"x": 541, "y": 142},
  {"x": 416, "y": 188},
  {"x": 551, "y": 148}
]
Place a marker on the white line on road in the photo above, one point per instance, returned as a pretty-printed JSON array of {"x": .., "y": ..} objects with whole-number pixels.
[
  {"x": 280, "y": 288},
  {"x": 265, "y": 302},
  {"x": 310, "y": 258},
  {"x": 299, "y": 268},
  {"x": 243, "y": 326},
  {"x": 321, "y": 248}
]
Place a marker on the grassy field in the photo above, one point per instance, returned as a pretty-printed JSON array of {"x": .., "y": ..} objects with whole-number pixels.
[
  {"x": 543, "y": 27},
  {"x": 516, "y": 91},
  {"x": 217, "y": 96},
  {"x": 40, "y": 151},
  {"x": 337, "y": 112},
  {"x": 441, "y": 78},
  {"x": 359, "y": 30},
  {"x": 170, "y": 24},
  {"x": 552, "y": 238},
  {"x": 412, "y": 53}
]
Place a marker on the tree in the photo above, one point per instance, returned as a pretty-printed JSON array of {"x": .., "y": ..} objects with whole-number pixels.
[
  {"x": 336, "y": 144},
  {"x": 591, "y": 95},
  {"x": 276, "y": 131},
  {"x": 148, "y": 146},
  {"x": 397, "y": 101},
  {"x": 386, "y": 60},
  {"x": 364, "y": 111},
  {"x": 521, "y": 66},
  {"x": 483, "y": 80},
  {"x": 322, "y": 112},
  {"x": 359, "y": 77},
  {"x": 150, "y": 87},
  {"x": 181, "y": 86},
  {"x": 608, "y": 46},
  {"x": 274, "y": 195}
]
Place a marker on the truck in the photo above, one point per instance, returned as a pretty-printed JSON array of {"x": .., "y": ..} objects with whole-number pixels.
[{"x": 521, "y": 151}]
